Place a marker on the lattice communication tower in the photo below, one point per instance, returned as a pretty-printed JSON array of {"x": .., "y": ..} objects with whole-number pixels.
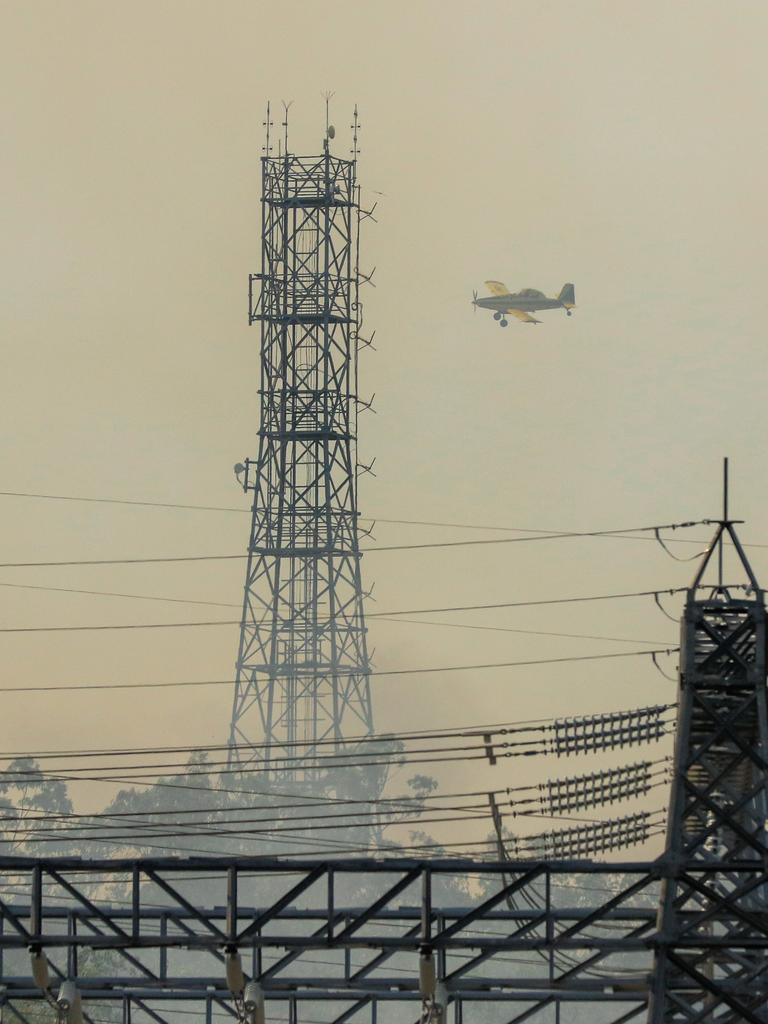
[{"x": 303, "y": 674}]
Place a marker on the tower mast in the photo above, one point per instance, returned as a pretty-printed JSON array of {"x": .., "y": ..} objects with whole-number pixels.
[{"x": 303, "y": 674}]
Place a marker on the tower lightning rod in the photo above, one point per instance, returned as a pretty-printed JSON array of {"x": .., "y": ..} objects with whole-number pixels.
[
  {"x": 267, "y": 124},
  {"x": 286, "y": 107},
  {"x": 725, "y": 520},
  {"x": 328, "y": 96}
]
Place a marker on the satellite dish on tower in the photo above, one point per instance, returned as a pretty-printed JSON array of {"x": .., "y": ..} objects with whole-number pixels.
[{"x": 331, "y": 132}]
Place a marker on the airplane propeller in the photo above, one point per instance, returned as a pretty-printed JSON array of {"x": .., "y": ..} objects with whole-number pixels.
[{"x": 474, "y": 301}]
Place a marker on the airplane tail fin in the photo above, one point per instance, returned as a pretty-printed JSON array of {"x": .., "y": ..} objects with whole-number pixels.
[{"x": 567, "y": 295}]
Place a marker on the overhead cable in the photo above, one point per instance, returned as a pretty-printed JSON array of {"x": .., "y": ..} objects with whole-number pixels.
[
  {"x": 367, "y": 519},
  {"x": 564, "y": 737},
  {"x": 415, "y": 622},
  {"x": 389, "y": 547},
  {"x": 557, "y": 799},
  {"x": 483, "y": 730},
  {"x": 636, "y": 728},
  {"x": 377, "y": 673},
  {"x": 530, "y": 604},
  {"x": 369, "y": 615},
  {"x": 677, "y": 558},
  {"x": 203, "y": 831}
]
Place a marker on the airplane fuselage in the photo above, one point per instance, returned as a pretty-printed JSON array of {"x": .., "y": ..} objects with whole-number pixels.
[
  {"x": 528, "y": 303},
  {"x": 520, "y": 305}
]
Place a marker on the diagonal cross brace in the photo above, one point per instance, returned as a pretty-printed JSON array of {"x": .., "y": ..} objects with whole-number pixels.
[
  {"x": 714, "y": 989},
  {"x": 104, "y": 918},
  {"x": 189, "y": 907},
  {"x": 267, "y": 915},
  {"x": 402, "y": 883},
  {"x": 472, "y": 915}
]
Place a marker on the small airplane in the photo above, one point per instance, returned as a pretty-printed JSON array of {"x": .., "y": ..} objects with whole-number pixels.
[{"x": 521, "y": 304}]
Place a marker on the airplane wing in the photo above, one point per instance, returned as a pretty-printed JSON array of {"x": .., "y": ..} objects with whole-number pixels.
[
  {"x": 522, "y": 316},
  {"x": 497, "y": 288}
]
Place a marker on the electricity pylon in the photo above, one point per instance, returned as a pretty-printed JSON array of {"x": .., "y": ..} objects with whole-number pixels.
[{"x": 710, "y": 962}]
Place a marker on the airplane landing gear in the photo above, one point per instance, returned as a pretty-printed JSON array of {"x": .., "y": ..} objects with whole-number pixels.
[
  {"x": 503, "y": 322},
  {"x": 497, "y": 316},
  {"x": 568, "y": 312}
]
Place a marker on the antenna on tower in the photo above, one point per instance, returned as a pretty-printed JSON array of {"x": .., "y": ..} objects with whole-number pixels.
[
  {"x": 267, "y": 124},
  {"x": 330, "y": 131},
  {"x": 286, "y": 107},
  {"x": 355, "y": 126}
]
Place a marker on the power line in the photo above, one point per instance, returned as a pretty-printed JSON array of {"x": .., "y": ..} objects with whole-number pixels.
[
  {"x": 331, "y": 847},
  {"x": 474, "y": 731},
  {"x": 112, "y": 593},
  {"x": 383, "y": 761},
  {"x": 530, "y": 725},
  {"x": 394, "y": 806},
  {"x": 560, "y": 535},
  {"x": 371, "y": 615},
  {"x": 203, "y": 829},
  {"x": 265, "y": 835},
  {"x": 122, "y": 625},
  {"x": 327, "y": 845},
  {"x": 528, "y": 604},
  {"x": 384, "y": 617},
  {"x": 122, "y": 561},
  {"x": 369, "y": 519},
  {"x": 527, "y": 632},
  {"x": 406, "y": 805},
  {"x": 492, "y": 728},
  {"x": 57, "y": 836},
  {"x": 132, "y": 773},
  {"x": 221, "y": 622},
  {"x": 305, "y": 801},
  {"x": 380, "y": 758},
  {"x": 491, "y": 743},
  {"x": 209, "y": 767},
  {"x": 488, "y": 731},
  {"x": 366, "y": 550},
  {"x": 399, "y": 804},
  {"x": 379, "y": 673},
  {"x": 122, "y": 501}
]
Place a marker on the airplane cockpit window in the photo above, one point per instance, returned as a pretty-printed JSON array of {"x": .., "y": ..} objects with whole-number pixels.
[{"x": 532, "y": 293}]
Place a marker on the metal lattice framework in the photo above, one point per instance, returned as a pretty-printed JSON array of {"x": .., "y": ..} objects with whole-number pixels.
[
  {"x": 718, "y": 809},
  {"x": 680, "y": 940},
  {"x": 302, "y": 674},
  {"x": 300, "y": 934},
  {"x": 152, "y": 936}
]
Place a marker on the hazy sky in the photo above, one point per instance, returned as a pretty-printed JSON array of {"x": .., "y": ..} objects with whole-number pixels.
[{"x": 621, "y": 146}]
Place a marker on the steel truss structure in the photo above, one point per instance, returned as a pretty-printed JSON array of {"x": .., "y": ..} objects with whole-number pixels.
[
  {"x": 539, "y": 935},
  {"x": 302, "y": 675},
  {"x": 680, "y": 939},
  {"x": 718, "y": 808}
]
